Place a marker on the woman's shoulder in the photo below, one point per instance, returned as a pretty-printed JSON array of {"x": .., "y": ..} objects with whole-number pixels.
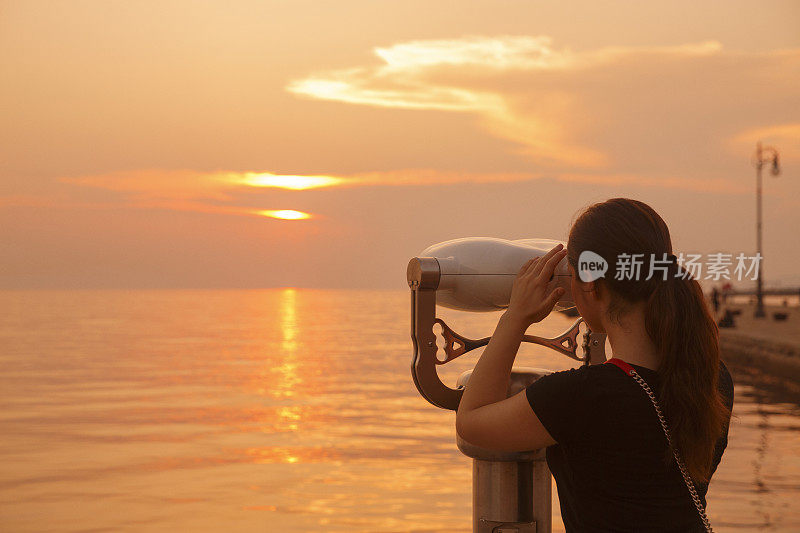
[
  {"x": 575, "y": 404},
  {"x": 584, "y": 376},
  {"x": 594, "y": 386},
  {"x": 608, "y": 378},
  {"x": 598, "y": 371}
]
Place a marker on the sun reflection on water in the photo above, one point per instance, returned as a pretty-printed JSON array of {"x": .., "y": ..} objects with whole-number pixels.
[
  {"x": 289, "y": 379},
  {"x": 288, "y": 418}
]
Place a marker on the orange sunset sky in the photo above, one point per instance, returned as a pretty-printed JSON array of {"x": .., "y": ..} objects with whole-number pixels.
[{"x": 322, "y": 144}]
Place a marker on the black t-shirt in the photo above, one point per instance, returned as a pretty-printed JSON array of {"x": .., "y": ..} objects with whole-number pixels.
[{"x": 608, "y": 462}]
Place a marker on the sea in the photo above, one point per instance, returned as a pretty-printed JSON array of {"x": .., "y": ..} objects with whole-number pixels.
[{"x": 282, "y": 410}]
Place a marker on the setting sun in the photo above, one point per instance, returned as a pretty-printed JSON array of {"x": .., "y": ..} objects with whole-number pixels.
[
  {"x": 288, "y": 182},
  {"x": 284, "y": 214}
]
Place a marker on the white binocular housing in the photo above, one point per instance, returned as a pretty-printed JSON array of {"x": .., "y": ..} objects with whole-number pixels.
[{"x": 477, "y": 273}]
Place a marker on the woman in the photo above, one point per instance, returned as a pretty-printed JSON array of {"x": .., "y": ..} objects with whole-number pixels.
[{"x": 605, "y": 445}]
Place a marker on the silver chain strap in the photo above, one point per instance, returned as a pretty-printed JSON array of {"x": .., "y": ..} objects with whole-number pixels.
[{"x": 686, "y": 478}]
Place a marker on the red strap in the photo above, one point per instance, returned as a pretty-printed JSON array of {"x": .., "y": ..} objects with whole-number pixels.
[{"x": 628, "y": 369}]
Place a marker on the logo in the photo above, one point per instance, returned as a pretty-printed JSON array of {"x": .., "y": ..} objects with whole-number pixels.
[{"x": 591, "y": 266}]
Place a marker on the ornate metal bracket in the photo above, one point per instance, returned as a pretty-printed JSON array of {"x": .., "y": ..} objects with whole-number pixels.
[
  {"x": 457, "y": 345},
  {"x": 423, "y": 279}
]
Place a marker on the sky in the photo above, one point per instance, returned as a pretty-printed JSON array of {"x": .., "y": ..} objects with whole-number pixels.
[{"x": 250, "y": 144}]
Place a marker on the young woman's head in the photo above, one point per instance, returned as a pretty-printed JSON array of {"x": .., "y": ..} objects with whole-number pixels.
[{"x": 627, "y": 233}]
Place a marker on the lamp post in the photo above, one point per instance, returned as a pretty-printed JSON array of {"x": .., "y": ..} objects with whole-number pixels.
[{"x": 764, "y": 154}]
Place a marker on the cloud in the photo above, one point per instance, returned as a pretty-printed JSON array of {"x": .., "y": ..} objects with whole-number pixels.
[
  {"x": 784, "y": 136},
  {"x": 504, "y": 52},
  {"x": 222, "y": 191},
  {"x": 606, "y": 108},
  {"x": 403, "y": 81},
  {"x": 147, "y": 184},
  {"x": 247, "y": 193},
  {"x": 683, "y": 117}
]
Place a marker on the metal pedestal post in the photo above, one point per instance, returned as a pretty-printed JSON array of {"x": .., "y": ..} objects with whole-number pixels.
[
  {"x": 511, "y": 496},
  {"x": 511, "y": 491}
]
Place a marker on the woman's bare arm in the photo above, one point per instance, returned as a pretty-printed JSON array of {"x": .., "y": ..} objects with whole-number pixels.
[{"x": 485, "y": 417}]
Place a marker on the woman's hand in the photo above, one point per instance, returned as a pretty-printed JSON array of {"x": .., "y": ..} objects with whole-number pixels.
[{"x": 530, "y": 301}]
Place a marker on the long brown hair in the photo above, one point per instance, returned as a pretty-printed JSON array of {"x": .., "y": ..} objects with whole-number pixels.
[{"x": 677, "y": 320}]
